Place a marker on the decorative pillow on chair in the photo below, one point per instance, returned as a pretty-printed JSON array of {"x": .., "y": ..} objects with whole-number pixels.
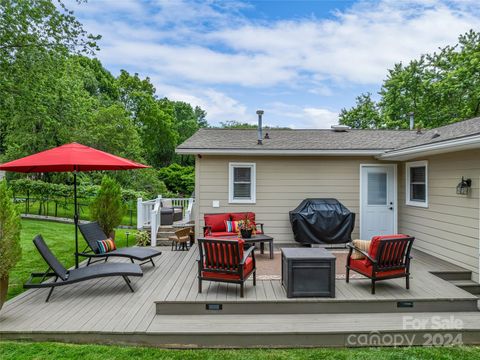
[
  {"x": 363, "y": 245},
  {"x": 105, "y": 246},
  {"x": 231, "y": 226}
]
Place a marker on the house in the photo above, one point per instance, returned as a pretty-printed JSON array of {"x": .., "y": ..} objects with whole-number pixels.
[{"x": 396, "y": 181}]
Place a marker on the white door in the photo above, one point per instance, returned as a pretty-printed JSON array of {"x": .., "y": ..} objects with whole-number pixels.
[{"x": 378, "y": 208}]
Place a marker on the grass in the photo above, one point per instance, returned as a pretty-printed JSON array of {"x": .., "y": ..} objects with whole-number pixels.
[
  {"x": 65, "y": 210},
  {"x": 22, "y": 350},
  {"x": 61, "y": 240}
]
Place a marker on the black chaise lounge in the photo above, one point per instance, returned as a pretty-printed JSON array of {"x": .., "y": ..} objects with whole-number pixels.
[
  {"x": 92, "y": 232},
  {"x": 67, "y": 277}
]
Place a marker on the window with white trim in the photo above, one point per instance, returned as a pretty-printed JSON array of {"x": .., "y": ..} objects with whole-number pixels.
[
  {"x": 241, "y": 183},
  {"x": 416, "y": 183}
]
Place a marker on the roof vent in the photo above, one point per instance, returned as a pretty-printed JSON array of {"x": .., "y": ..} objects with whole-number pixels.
[
  {"x": 260, "y": 138},
  {"x": 435, "y": 134},
  {"x": 340, "y": 128}
]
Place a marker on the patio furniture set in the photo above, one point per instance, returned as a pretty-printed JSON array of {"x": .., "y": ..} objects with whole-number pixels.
[{"x": 306, "y": 272}]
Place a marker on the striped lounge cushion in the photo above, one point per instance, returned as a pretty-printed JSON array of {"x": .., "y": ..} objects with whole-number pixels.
[
  {"x": 231, "y": 226},
  {"x": 105, "y": 246}
]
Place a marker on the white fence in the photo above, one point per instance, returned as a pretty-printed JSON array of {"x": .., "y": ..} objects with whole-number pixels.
[{"x": 149, "y": 214}]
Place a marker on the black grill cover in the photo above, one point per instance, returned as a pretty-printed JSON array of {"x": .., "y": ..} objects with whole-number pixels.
[{"x": 322, "y": 221}]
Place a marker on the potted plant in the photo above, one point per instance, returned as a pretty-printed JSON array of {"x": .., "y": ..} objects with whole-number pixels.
[
  {"x": 246, "y": 227},
  {"x": 10, "y": 249},
  {"x": 108, "y": 208}
]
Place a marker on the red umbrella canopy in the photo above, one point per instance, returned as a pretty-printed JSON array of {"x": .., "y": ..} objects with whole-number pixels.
[{"x": 70, "y": 157}]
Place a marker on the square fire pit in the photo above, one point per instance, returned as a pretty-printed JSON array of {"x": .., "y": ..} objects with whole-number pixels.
[{"x": 308, "y": 272}]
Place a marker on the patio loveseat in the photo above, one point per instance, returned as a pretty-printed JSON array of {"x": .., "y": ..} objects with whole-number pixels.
[{"x": 215, "y": 224}]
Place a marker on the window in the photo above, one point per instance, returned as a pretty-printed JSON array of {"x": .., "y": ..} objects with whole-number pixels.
[
  {"x": 417, "y": 183},
  {"x": 241, "y": 188}
]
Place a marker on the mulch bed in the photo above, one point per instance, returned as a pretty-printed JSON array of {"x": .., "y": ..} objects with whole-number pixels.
[{"x": 272, "y": 269}]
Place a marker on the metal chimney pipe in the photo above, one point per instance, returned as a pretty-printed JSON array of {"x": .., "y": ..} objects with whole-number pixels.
[
  {"x": 260, "y": 136},
  {"x": 412, "y": 121}
]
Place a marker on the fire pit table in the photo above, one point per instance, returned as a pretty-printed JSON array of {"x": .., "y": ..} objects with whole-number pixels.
[{"x": 308, "y": 272}]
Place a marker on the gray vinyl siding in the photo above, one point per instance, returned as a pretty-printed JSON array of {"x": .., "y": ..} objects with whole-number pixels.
[
  {"x": 281, "y": 184},
  {"x": 449, "y": 227}
]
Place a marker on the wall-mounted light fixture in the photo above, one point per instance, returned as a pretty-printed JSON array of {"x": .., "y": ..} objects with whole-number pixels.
[{"x": 464, "y": 186}]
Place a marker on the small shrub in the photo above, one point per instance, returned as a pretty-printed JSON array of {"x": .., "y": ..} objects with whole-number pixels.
[
  {"x": 10, "y": 250},
  {"x": 108, "y": 207},
  {"x": 142, "y": 238}
]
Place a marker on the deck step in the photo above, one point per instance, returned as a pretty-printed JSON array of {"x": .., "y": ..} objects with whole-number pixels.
[
  {"x": 468, "y": 285},
  {"x": 164, "y": 234},
  {"x": 453, "y": 275},
  {"x": 239, "y": 307}
]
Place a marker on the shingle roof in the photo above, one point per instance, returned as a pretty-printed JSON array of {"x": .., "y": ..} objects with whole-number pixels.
[
  {"x": 229, "y": 140},
  {"x": 280, "y": 139},
  {"x": 444, "y": 133}
]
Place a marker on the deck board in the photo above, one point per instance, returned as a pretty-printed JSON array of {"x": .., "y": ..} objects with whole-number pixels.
[{"x": 107, "y": 306}]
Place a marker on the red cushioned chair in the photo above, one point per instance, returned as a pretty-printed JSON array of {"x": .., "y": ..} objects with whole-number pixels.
[
  {"x": 225, "y": 261},
  {"x": 215, "y": 223},
  {"x": 388, "y": 257}
]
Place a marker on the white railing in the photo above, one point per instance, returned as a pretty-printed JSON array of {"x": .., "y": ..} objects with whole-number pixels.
[
  {"x": 149, "y": 214},
  {"x": 187, "y": 207},
  {"x": 155, "y": 221}
]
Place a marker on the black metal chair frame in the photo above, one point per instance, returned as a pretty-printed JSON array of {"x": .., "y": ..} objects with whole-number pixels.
[
  {"x": 58, "y": 271},
  {"x": 381, "y": 263},
  {"x": 227, "y": 261},
  {"x": 93, "y": 229}
]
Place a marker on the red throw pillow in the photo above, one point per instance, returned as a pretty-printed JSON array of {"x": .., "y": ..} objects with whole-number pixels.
[
  {"x": 216, "y": 221},
  {"x": 372, "y": 251},
  {"x": 241, "y": 216}
]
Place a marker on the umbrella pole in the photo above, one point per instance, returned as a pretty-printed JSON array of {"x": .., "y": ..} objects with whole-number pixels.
[{"x": 75, "y": 217}]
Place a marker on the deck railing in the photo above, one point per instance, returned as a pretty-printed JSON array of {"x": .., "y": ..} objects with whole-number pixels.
[{"x": 149, "y": 213}]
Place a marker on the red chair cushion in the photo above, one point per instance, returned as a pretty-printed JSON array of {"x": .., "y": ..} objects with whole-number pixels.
[
  {"x": 241, "y": 216},
  {"x": 221, "y": 234},
  {"x": 375, "y": 243},
  {"x": 216, "y": 221},
  {"x": 364, "y": 267},
  {"x": 247, "y": 269}
]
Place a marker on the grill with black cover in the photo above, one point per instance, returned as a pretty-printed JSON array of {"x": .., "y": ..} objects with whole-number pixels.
[{"x": 322, "y": 221}]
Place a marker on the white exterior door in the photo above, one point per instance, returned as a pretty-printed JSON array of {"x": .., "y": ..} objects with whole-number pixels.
[{"x": 378, "y": 200}]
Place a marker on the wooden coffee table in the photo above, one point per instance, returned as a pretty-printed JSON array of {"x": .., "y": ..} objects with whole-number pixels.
[{"x": 262, "y": 239}]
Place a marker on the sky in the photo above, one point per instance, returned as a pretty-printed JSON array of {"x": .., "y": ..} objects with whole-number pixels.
[{"x": 299, "y": 61}]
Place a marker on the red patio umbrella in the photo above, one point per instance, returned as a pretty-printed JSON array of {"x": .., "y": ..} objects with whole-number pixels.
[{"x": 72, "y": 157}]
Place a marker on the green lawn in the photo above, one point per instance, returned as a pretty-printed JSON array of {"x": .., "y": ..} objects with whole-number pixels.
[
  {"x": 66, "y": 210},
  {"x": 60, "y": 238},
  {"x": 45, "y": 351}
]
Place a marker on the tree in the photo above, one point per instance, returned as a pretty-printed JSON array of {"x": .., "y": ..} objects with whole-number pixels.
[
  {"x": 364, "y": 115},
  {"x": 179, "y": 179},
  {"x": 110, "y": 129},
  {"x": 41, "y": 25},
  {"x": 153, "y": 118},
  {"x": 439, "y": 88},
  {"x": 10, "y": 250},
  {"x": 108, "y": 208},
  {"x": 233, "y": 124}
]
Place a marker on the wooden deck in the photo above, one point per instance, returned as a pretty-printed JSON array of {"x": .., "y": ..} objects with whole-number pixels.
[{"x": 166, "y": 309}]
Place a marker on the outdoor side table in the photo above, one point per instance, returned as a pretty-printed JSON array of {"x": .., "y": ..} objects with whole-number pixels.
[{"x": 308, "y": 272}]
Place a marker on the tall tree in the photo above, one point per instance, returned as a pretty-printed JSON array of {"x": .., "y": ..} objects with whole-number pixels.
[
  {"x": 364, "y": 115},
  {"x": 439, "y": 88}
]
